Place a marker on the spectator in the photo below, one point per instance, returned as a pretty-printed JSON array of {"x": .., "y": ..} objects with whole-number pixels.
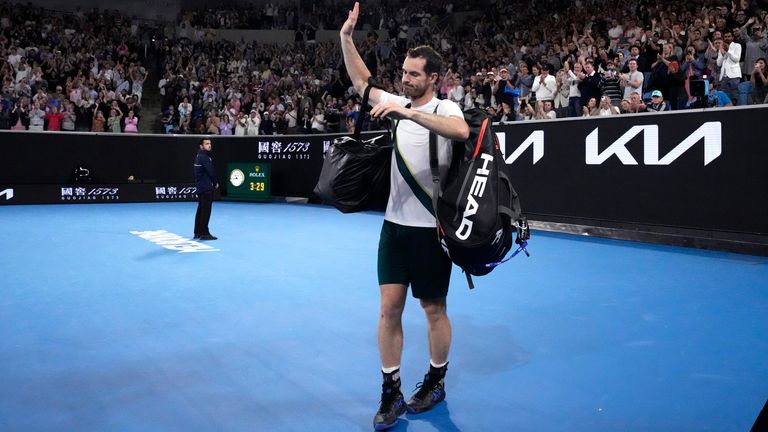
[
  {"x": 657, "y": 103},
  {"x": 69, "y": 117},
  {"x": 545, "y": 86},
  {"x": 36, "y": 118},
  {"x": 19, "y": 118},
  {"x": 632, "y": 81},
  {"x": 759, "y": 80},
  {"x": 590, "y": 84},
  {"x": 98, "y": 121},
  {"x": 241, "y": 124},
  {"x": 253, "y": 123},
  {"x": 611, "y": 84},
  {"x": 590, "y": 108},
  {"x": 318, "y": 121},
  {"x": 728, "y": 57},
  {"x": 606, "y": 107},
  {"x": 113, "y": 122},
  {"x": 572, "y": 80},
  {"x": 131, "y": 123},
  {"x": 636, "y": 104},
  {"x": 226, "y": 125}
]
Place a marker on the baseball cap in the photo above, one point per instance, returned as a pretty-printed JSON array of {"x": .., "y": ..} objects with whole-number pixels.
[{"x": 656, "y": 93}]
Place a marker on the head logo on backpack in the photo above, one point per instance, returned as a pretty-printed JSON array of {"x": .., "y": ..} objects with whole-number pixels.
[{"x": 476, "y": 208}]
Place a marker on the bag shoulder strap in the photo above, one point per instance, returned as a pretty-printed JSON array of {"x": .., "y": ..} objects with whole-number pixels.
[
  {"x": 430, "y": 203},
  {"x": 363, "y": 109}
]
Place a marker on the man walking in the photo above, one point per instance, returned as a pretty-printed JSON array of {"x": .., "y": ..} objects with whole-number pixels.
[{"x": 409, "y": 252}]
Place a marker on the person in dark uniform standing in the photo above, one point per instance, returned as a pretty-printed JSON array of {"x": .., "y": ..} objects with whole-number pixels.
[{"x": 205, "y": 180}]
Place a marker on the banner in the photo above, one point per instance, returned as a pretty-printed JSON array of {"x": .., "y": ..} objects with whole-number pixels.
[
  {"x": 688, "y": 169},
  {"x": 96, "y": 193},
  {"x": 694, "y": 169}
]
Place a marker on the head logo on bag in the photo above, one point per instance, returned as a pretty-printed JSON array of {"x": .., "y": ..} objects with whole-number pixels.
[{"x": 476, "y": 208}]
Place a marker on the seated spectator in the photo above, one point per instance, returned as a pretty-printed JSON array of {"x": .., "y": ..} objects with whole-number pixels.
[
  {"x": 636, "y": 104},
  {"x": 719, "y": 99},
  {"x": 657, "y": 102},
  {"x": 606, "y": 107},
  {"x": 351, "y": 119},
  {"x": 590, "y": 109}
]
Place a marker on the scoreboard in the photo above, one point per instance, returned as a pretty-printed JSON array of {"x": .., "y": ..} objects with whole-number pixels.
[{"x": 248, "y": 181}]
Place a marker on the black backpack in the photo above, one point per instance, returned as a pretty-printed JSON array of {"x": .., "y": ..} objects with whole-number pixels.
[{"x": 476, "y": 208}]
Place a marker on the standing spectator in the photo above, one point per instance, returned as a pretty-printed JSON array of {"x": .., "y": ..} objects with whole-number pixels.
[
  {"x": 131, "y": 123},
  {"x": 292, "y": 117},
  {"x": 318, "y": 121},
  {"x": 113, "y": 122},
  {"x": 756, "y": 44},
  {"x": 590, "y": 83},
  {"x": 69, "y": 117},
  {"x": 728, "y": 60},
  {"x": 5, "y": 117},
  {"x": 759, "y": 80},
  {"x": 574, "y": 94},
  {"x": 226, "y": 125},
  {"x": 98, "y": 121},
  {"x": 306, "y": 120},
  {"x": 524, "y": 80},
  {"x": 19, "y": 117},
  {"x": 241, "y": 124},
  {"x": 611, "y": 85},
  {"x": 253, "y": 123},
  {"x": 632, "y": 81},
  {"x": 169, "y": 119},
  {"x": 54, "y": 118},
  {"x": 545, "y": 86}
]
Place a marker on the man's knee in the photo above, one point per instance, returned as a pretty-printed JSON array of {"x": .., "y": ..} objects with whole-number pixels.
[
  {"x": 435, "y": 309},
  {"x": 392, "y": 302}
]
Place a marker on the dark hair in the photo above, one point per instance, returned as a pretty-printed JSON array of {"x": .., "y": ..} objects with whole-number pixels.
[
  {"x": 434, "y": 62},
  {"x": 202, "y": 140}
]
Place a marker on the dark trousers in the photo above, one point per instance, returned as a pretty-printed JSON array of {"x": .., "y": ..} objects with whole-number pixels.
[
  {"x": 574, "y": 106},
  {"x": 203, "y": 215}
]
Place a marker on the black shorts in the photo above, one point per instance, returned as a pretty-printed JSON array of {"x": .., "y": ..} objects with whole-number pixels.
[{"x": 412, "y": 256}]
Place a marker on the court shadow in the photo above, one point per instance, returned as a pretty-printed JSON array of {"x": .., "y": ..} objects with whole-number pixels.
[{"x": 438, "y": 417}]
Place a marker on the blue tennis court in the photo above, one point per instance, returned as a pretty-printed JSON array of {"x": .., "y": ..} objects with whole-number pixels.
[{"x": 112, "y": 319}]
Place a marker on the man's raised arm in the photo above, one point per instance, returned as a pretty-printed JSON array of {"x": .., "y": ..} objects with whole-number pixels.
[{"x": 356, "y": 69}]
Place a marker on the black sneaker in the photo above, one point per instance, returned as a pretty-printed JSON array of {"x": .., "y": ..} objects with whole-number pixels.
[
  {"x": 429, "y": 393},
  {"x": 391, "y": 408},
  {"x": 207, "y": 237}
]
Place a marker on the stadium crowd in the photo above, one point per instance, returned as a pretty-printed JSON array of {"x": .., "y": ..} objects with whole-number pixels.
[
  {"x": 79, "y": 71},
  {"x": 518, "y": 60}
]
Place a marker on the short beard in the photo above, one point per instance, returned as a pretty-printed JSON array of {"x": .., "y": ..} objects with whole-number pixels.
[{"x": 414, "y": 92}]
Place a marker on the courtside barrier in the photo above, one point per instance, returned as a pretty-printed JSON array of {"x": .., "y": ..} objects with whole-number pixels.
[{"x": 693, "y": 170}]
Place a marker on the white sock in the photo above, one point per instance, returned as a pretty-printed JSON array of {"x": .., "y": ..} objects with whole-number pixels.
[
  {"x": 435, "y": 365},
  {"x": 394, "y": 371},
  {"x": 389, "y": 370}
]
